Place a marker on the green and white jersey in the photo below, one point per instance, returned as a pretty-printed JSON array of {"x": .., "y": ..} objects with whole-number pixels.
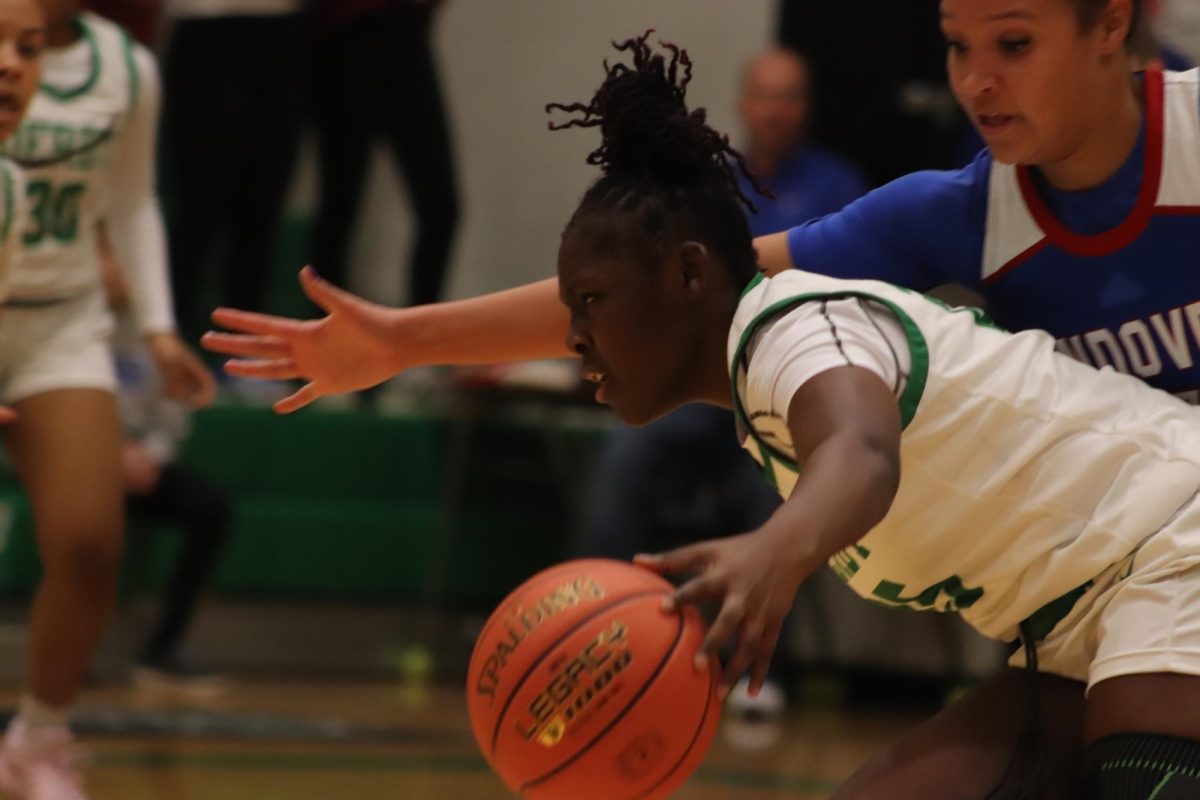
[
  {"x": 87, "y": 147},
  {"x": 1024, "y": 473},
  {"x": 12, "y": 189}
]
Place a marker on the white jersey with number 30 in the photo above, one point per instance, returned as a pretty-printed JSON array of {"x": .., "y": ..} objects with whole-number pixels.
[{"x": 87, "y": 151}]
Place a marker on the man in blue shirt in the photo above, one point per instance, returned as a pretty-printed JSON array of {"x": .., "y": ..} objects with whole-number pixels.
[{"x": 807, "y": 181}]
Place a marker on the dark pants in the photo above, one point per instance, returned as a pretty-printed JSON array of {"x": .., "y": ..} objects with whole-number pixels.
[
  {"x": 681, "y": 479},
  {"x": 203, "y": 514},
  {"x": 234, "y": 93},
  {"x": 377, "y": 79}
]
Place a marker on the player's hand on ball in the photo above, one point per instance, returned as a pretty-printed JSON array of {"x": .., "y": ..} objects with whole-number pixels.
[
  {"x": 7, "y": 415},
  {"x": 755, "y": 587},
  {"x": 351, "y": 348}
]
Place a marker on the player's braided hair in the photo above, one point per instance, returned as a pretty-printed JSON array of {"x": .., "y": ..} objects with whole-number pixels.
[{"x": 662, "y": 164}]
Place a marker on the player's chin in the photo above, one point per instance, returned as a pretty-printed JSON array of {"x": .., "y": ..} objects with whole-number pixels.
[
  {"x": 1013, "y": 149},
  {"x": 635, "y": 413}
]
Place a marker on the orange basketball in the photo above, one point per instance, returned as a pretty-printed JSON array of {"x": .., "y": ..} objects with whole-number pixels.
[{"x": 582, "y": 687}]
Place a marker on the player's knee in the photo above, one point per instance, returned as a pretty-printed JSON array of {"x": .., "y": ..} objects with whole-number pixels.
[
  {"x": 85, "y": 551},
  {"x": 1139, "y": 766}
]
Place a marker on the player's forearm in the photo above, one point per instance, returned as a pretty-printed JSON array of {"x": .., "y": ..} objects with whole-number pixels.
[
  {"x": 845, "y": 488},
  {"x": 138, "y": 241},
  {"x": 518, "y": 324}
]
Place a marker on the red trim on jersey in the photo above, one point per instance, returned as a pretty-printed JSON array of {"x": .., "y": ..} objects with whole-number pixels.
[
  {"x": 1029, "y": 253},
  {"x": 1128, "y": 231},
  {"x": 1181, "y": 211}
]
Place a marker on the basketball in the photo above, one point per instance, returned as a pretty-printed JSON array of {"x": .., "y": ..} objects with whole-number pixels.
[{"x": 581, "y": 686}]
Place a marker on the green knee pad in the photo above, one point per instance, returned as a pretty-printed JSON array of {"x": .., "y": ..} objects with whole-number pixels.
[{"x": 1140, "y": 766}]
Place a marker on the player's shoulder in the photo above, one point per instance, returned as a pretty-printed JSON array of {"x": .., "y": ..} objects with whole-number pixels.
[
  {"x": 923, "y": 203},
  {"x": 118, "y": 41},
  {"x": 933, "y": 189}
]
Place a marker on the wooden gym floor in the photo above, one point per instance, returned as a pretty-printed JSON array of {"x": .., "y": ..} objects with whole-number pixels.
[{"x": 332, "y": 741}]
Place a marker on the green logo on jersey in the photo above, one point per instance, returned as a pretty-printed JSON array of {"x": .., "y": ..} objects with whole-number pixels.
[
  {"x": 949, "y": 595},
  {"x": 53, "y": 212},
  {"x": 81, "y": 147}
]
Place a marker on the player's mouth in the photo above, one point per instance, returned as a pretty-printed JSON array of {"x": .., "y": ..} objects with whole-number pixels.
[
  {"x": 10, "y": 107},
  {"x": 600, "y": 378},
  {"x": 995, "y": 124}
]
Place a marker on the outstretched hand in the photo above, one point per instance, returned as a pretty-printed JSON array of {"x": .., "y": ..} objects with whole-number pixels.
[
  {"x": 755, "y": 584},
  {"x": 351, "y": 348},
  {"x": 7, "y": 415}
]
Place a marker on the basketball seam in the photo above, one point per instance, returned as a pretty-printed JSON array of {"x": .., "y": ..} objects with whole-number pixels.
[
  {"x": 551, "y": 574},
  {"x": 548, "y": 650},
  {"x": 650, "y": 679},
  {"x": 708, "y": 704}
]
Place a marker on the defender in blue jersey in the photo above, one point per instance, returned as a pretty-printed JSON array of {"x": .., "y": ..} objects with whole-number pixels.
[
  {"x": 1110, "y": 270},
  {"x": 1050, "y": 86}
]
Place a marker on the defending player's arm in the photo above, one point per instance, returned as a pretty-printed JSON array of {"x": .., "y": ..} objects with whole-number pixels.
[
  {"x": 134, "y": 224},
  {"x": 359, "y": 344},
  {"x": 889, "y": 235}
]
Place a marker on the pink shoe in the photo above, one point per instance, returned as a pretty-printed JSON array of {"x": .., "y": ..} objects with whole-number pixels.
[{"x": 40, "y": 767}]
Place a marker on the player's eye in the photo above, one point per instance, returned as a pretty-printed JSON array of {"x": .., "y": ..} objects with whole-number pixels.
[{"x": 1014, "y": 45}]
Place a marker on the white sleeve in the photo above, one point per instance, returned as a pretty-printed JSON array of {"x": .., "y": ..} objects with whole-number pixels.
[
  {"x": 818, "y": 336},
  {"x": 12, "y": 203},
  {"x": 133, "y": 217}
]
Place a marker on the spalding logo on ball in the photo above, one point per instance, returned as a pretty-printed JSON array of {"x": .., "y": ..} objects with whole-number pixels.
[{"x": 581, "y": 686}]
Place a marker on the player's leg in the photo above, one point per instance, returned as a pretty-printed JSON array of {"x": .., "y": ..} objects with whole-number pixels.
[
  {"x": 1143, "y": 734},
  {"x": 275, "y": 64},
  {"x": 964, "y": 752},
  {"x": 197, "y": 176},
  {"x": 203, "y": 513},
  {"x": 345, "y": 96},
  {"x": 1143, "y": 710},
  {"x": 65, "y": 446},
  {"x": 415, "y": 123}
]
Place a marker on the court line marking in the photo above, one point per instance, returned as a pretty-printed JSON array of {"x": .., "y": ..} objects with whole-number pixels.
[{"x": 358, "y": 762}]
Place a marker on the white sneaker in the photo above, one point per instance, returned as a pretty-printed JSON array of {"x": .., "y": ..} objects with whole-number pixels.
[
  {"x": 42, "y": 766},
  {"x": 769, "y": 703}
]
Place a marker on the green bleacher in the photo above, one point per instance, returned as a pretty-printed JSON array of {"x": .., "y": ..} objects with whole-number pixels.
[{"x": 353, "y": 505}]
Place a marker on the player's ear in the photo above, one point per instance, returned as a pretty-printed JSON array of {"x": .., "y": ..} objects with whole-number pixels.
[
  {"x": 695, "y": 266},
  {"x": 1115, "y": 24}
]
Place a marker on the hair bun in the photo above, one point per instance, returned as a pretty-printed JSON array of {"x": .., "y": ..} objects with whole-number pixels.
[{"x": 645, "y": 126}]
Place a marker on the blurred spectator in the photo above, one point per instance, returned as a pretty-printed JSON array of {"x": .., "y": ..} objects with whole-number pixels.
[
  {"x": 139, "y": 17},
  {"x": 807, "y": 181},
  {"x": 234, "y": 92},
  {"x": 160, "y": 490},
  {"x": 377, "y": 80},
  {"x": 1151, "y": 47},
  {"x": 685, "y": 478},
  {"x": 1177, "y": 23}
]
